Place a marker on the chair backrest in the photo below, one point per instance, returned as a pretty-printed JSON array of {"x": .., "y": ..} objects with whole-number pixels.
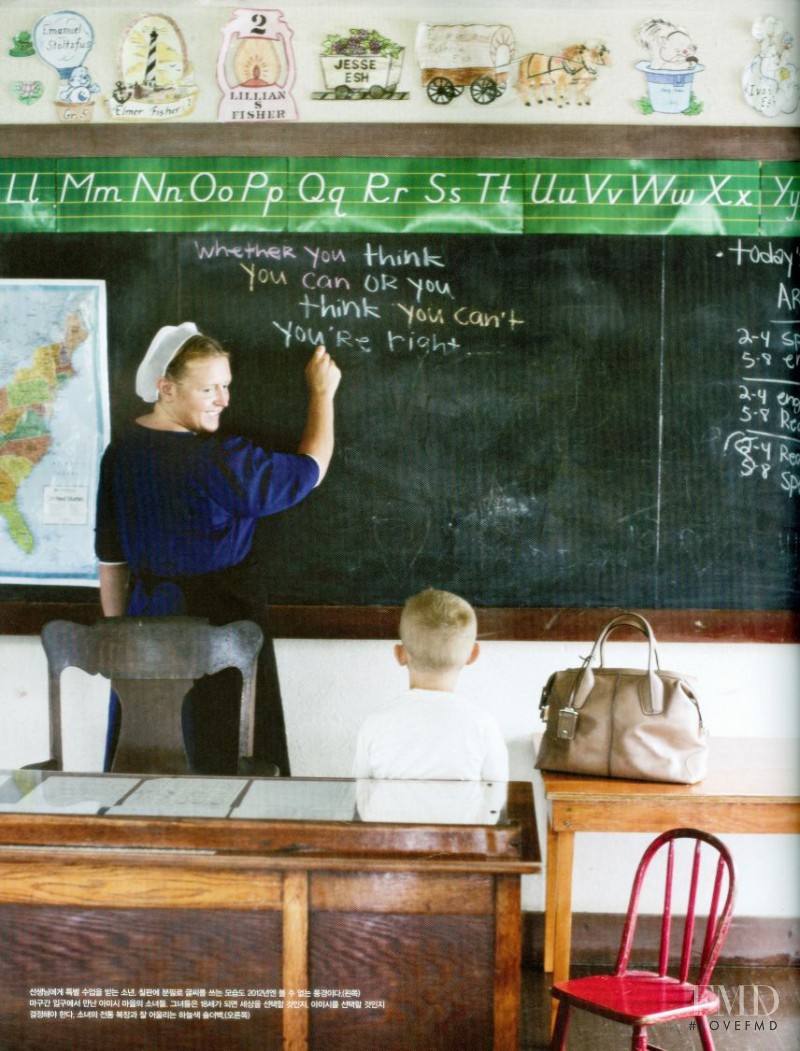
[
  {"x": 713, "y": 925},
  {"x": 152, "y": 663}
]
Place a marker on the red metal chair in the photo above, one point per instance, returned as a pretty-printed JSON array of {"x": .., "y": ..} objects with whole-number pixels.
[{"x": 646, "y": 998}]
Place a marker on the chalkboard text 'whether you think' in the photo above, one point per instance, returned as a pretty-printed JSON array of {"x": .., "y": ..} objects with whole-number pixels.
[{"x": 413, "y": 293}]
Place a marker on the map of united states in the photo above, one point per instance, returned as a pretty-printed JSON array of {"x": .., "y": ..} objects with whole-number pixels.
[
  {"x": 26, "y": 405},
  {"x": 54, "y": 426}
]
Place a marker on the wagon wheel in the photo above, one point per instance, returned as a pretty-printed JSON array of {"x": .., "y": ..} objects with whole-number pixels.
[
  {"x": 342, "y": 92},
  {"x": 441, "y": 90},
  {"x": 377, "y": 92},
  {"x": 484, "y": 90}
]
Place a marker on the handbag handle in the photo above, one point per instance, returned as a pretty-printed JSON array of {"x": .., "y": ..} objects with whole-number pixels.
[
  {"x": 653, "y": 700},
  {"x": 630, "y": 620}
]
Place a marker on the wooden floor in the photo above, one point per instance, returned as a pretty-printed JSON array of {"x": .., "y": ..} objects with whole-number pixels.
[{"x": 735, "y": 1031}]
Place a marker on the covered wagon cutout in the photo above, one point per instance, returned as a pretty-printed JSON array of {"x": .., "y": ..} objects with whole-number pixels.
[{"x": 454, "y": 57}]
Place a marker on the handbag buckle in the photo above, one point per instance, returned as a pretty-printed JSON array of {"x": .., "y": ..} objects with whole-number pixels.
[{"x": 567, "y": 724}]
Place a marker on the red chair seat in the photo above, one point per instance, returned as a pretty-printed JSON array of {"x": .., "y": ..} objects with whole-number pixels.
[{"x": 637, "y": 997}]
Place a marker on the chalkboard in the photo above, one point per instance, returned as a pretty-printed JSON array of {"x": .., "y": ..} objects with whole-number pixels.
[{"x": 527, "y": 420}]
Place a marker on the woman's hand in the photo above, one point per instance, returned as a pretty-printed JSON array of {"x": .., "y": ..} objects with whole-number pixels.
[{"x": 322, "y": 373}]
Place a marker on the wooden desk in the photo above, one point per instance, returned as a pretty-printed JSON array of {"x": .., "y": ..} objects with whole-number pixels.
[
  {"x": 146, "y": 901},
  {"x": 752, "y": 786}
]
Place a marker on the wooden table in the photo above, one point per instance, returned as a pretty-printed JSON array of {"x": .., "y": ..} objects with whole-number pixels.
[
  {"x": 752, "y": 787},
  {"x": 278, "y": 918}
]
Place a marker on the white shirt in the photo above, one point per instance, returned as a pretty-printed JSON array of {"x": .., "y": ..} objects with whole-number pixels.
[{"x": 431, "y": 735}]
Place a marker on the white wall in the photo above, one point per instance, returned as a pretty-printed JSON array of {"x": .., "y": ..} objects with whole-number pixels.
[{"x": 748, "y": 690}]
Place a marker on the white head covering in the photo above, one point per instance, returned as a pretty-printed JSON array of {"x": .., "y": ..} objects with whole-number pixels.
[{"x": 165, "y": 345}]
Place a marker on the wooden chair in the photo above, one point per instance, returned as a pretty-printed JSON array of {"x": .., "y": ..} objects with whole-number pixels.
[
  {"x": 152, "y": 663},
  {"x": 646, "y": 998}
]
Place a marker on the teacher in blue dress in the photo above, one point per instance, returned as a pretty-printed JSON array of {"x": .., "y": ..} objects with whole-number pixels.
[{"x": 177, "y": 510}]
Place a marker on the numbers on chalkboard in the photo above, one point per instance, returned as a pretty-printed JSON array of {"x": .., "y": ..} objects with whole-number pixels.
[
  {"x": 751, "y": 360},
  {"x": 749, "y": 394},
  {"x": 755, "y": 453},
  {"x": 748, "y": 337},
  {"x": 756, "y": 412},
  {"x": 748, "y": 415}
]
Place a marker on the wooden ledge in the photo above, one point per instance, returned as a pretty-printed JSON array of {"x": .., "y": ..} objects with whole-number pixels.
[
  {"x": 525, "y": 140},
  {"x": 544, "y": 624}
]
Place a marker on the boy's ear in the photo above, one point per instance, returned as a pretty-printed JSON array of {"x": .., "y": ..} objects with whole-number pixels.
[
  {"x": 476, "y": 649},
  {"x": 401, "y": 655}
]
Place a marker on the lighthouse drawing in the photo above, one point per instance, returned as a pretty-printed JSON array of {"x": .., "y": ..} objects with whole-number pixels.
[
  {"x": 150, "y": 70},
  {"x": 156, "y": 79}
]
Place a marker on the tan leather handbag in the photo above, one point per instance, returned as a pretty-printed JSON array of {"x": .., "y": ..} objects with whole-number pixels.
[{"x": 623, "y": 722}]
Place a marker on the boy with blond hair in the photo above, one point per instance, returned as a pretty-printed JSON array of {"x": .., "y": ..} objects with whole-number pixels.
[{"x": 430, "y": 732}]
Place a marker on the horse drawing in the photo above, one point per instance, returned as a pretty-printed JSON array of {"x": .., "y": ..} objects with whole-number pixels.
[{"x": 555, "y": 77}]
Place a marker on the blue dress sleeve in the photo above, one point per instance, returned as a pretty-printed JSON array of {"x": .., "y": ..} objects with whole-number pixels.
[{"x": 250, "y": 482}]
